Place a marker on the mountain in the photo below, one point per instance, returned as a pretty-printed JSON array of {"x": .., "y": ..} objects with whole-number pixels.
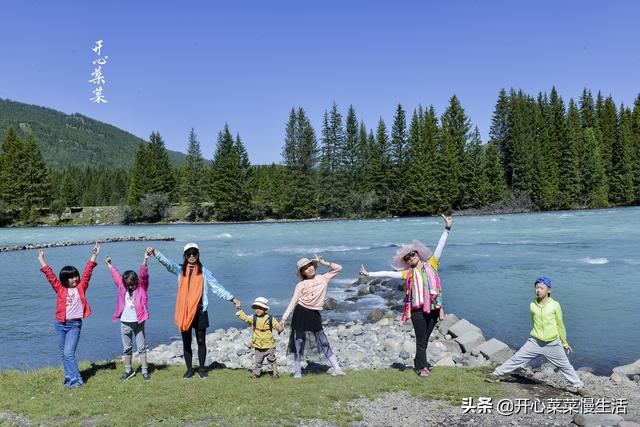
[{"x": 73, "y": 139}]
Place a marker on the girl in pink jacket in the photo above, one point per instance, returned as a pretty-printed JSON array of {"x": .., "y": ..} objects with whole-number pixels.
[{"x": 132, "y": 308}]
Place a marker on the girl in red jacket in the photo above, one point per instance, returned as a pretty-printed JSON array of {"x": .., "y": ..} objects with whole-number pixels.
[{"x": 71, "y": 308}]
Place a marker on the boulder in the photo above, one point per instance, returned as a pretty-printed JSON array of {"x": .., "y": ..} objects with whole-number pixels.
[
  {"x": 589, "y": 420},
  {"x": 495, "y": 350},
  {"x": 450, "y": 347},
  {"x": 383, "y": 322},
  {"x": 448, "y": 321},
  {"x": 330, "y": 304},
  {"x": 462, "y": 327},
  {"x": 469, "y": 340},
  {"x": 363, "y": 291},
  {"x": 353, "y": 355},
  {"x": 392, "y": 346},
  {"x": 375, "y": 315},
  {"x": 446, "y": 361},
  {"x": 628, "y": 370}
]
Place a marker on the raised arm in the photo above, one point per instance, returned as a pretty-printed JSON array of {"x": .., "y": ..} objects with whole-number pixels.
[
  {"x": 171, "y": 266},
  {"x": 115, "y": 274},
  {"x": 448, "y": 222},
  {"x": 333, "y": 268},
  {"x": 144, "y": 270},
  {"x": 48, "y": 272},
  {"x": 88, "y": 269},
  {"x": 391, "y": 274}
]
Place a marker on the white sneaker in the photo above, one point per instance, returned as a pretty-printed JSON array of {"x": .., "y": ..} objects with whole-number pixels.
[
  {"x": 338, "y": 373},
  {"x": 297, "y": 375}
]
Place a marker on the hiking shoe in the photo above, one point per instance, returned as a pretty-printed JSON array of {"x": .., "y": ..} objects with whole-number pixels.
[
  {"x": 338, "y": 373},
  {"x": 128, "y": 374},
  {"x": 203, "y": 373},
  {"x": 493, "y": 378},
  {"x": 297, "y": 375},
  {"x": 253, "y": 376},
  {"x": 188, "y": 374},
  {"x": 424, "y": 372},
  {"x": 146, "y": 376},
  {"x": 583, "y": 392}
]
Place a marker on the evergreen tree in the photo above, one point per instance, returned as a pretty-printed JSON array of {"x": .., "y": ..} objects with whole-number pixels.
[
  {"x": 498, "y": 133},
  {"x": 139, "y": 179},
  {"x": 194, "y": 177},
  {"x": 160, "y": 174},
  {"x": 635, "y": 149},
  {"x": 454, "y": 134},
  {"x": 12, "y": 185},
  {"x": 608, "y": 132},
  {"x": 472, "y": 172},
  {"x": 69, "y": 188},
  {"x": 593, "y": 183},
  {"x": 380, "y": 170},
  {"x": 588, "y": 117},
  {"x": 569, "y": 165},
  {"x": 621, "y": 176},
  {"x": 399, "y": 161},
  {"x": 37, "y": 184},
  {"x": 332, "y": 195},
  {"x": 494, "y": 185}
]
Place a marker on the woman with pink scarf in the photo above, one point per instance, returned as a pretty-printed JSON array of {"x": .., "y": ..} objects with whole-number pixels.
[{"x": 418, "y": 267}]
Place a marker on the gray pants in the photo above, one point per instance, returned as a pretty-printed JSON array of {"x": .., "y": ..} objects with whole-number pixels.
[
  {"x": 261, "y": 354},
  {"x": 552, "y": 351},
  {"x": 127, "y": 330}
]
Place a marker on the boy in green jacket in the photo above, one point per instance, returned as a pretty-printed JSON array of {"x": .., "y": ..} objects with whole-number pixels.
[{"x": 548, "y": 339}]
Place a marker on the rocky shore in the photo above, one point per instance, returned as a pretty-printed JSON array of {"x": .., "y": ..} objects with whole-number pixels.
[
  {"x": 382, "y": 341},
  {"x": 82, "y": 242}
]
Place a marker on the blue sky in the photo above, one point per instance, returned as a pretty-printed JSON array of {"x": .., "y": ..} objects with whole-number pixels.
[{"x": 177, "y": 65}]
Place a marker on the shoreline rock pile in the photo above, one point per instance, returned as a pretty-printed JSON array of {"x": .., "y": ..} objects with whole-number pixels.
[{"x": 29, "y": 246}]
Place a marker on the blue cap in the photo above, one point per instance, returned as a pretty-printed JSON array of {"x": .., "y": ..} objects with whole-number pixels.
[{"x": 544, "y": 280}]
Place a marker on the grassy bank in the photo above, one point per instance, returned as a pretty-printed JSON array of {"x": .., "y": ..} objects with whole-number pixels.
[{"x": 227, "y": 397}]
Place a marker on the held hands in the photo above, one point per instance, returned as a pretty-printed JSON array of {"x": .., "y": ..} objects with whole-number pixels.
[
  {"x": 448, "y": 221},
  {"x": 150, "y": 251},
  {"x": 147, "y": 254},
  {"x": 107, "y": 261},
  {"x": 237, "y": 303},
  {"x": 279, "y": 328},
  {"x": 363, "y": 271}
]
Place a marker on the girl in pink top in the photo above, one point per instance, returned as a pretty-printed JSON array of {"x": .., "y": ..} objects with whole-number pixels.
[
  {"x": 306, "y": 304},
  {"x": 132, "y": 308}
]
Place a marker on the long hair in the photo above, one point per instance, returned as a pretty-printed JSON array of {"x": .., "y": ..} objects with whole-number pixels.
[
  {"x": 67, "y": 273},
  {"x": 185, "y": 263}
]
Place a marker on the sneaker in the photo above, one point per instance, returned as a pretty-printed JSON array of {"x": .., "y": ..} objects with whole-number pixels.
[
  {"x": 146, "y": 376},
  {"x": 583, "y": 392},
  {"x": 297, "y": 375},
  {"x": 128, "y": 374},
  {"x": 492, "y": 378},
  {"x": 203, "y": 373},
  {"x": 338, "y": 373},
  {"x": 424, "y": 372},
  {"x": 188, "y": 374},
  {"x": 253, "y": 376}
]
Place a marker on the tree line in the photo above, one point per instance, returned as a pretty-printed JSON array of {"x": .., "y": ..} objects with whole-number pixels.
[{"x": 542, "y": 154}]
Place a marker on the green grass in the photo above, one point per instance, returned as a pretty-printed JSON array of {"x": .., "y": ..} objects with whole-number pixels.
[{"x": 227, "y": 397}]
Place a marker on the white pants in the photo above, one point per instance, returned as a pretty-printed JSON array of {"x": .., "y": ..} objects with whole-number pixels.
[{"x": 552, "y": 351}]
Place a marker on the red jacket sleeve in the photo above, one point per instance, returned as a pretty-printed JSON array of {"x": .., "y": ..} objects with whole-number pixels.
[
  {"x": 51, "y": 277},
  {"x": 86, "y": 274}
]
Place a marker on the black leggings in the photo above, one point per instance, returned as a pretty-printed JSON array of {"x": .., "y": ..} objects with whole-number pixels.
[
  {"x": 423, "y": 324},
  {"x": 202, "y": 347}
]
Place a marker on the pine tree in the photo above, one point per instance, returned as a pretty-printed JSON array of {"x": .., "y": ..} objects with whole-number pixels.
[
  {"x": 472, "y": 172},
  {"x": 37, "y": 186},
  {"x": 12, "y": 185},
  {"x": 621, "y": 176},
  {"x": 421, "y": 153},
  {"x": 593, "y": 183},
  {"x": 498, "y": 133},
  {"x": 194, "y": 177},
  {"x": 608, "y": 132},
  {"x": 399, "y": 161},
  {"x": 588, "y": 117},
  {"x": 160, "y": 175},
  {"x": 332, "y": 195},
  {"x": 494, "y": 184},
  {"x": 635, "y": 149},
  {"x": 455, "y": 134},
  {"x": 139, "y": 179},
  {"x": 569, "y": 165},
  {"x": 69, "y": 188}
]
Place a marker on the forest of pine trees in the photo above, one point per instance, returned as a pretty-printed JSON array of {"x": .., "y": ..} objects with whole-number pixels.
[{"x": 542, "y": 154}]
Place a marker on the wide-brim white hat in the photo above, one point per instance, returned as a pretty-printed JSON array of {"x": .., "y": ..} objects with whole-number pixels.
[{"x": 423, "y": 251}]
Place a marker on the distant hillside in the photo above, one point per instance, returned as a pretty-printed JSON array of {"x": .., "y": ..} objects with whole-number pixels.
[{"x": 73, "y": 139}]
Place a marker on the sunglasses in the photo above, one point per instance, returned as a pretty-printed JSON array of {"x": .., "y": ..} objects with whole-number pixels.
[
  {"x": 189, "y": 254},
  {"x": 410, "y": 255}
]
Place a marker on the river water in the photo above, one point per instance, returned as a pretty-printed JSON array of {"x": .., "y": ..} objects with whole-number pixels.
[{"x": 487, "y": 268}]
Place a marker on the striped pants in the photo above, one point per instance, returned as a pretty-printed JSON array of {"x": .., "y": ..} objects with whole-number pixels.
[{"x": 552, "y": 351}]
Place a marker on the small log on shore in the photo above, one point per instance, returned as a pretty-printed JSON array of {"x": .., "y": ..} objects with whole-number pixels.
[{"x": 84, "y": 242}]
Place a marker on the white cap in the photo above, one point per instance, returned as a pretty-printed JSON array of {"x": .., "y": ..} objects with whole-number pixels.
[
  {"x": 190, "y": 246},
  {"x": 261, "y": 302}
]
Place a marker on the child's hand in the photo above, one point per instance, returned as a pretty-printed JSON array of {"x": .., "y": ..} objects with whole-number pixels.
[
  {"x": 41, "y": 258},
  {"x": 95, "y": 251},
  {"x": 107, "y": 261},
  {"x": 448, "y": 221},
  {"x": 150, "y": 252}
]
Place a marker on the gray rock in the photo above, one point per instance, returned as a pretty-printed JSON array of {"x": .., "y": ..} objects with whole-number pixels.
[
  {"x": 619, "y": 378},
  {"x": 462, "y": 327},
  {"x": 357, "y": 356},
  {"x": 589, "y": 420},
  {"x": 363, "y": 291},
  {"x": 392, "y": 346},
  {"x": 449, "y": 320},
  {"x": 450, "y": 347},
  {"x": 383, "y": 322},
  {"x": 495, "y": 350},
  {"x": 628, "y": 370},
  {"x": 375, "y": 315},
  {"x": 470, "y": 340},
  {"x": 404, "y": 355},
  {"x": 446, "y": 361},
  {"x": 628, "y": 424},
  {"x": 330, "y": 304}
]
